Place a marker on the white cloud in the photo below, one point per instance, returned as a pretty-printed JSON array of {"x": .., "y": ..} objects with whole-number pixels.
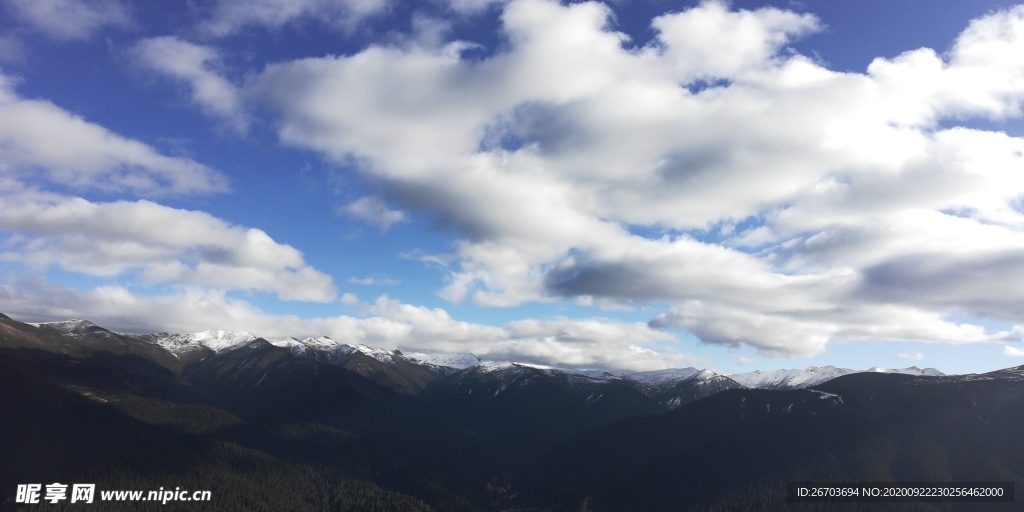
[
  {"x": 916, "y": 356},
  {"x": 40, "y": 140},
  {"x": 711, "y": 42},
  {"x": 1013, "y": 351},
  {"x": 199, "y": 67},
  {"x": 68, "y": 20},
  {"x": 552, "y": 157},
  {"x": 373, "y": 281},
  {"x": 374, "y": 211},
  {"x": 232, "y": 16},
  {"x": 162, "y": 244}
]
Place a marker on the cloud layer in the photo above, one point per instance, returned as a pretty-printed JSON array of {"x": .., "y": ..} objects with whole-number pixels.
[
  {"x": 42, "y": 145},
  {"x": 161, "y": 244},
  {"x": 41, "y": 140},
  {"x": 769, "y": 201},
  {"x": 69, "y": 20},
  {"x": 743, "y": 192}
]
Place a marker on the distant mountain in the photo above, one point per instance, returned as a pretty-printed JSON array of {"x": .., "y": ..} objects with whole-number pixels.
[
  {"x": 652, "y": 379},
  {"x": 527, "y": 406},
  {"x": 736, "y": 450},
  {"x": 913, "y": 370},
  {"x": 675, "y": 393},
  {"x": 812, "y": 376},
  {"x": 213, "y": 339},
  {"x": 453, "y": 361},
  {"x": 258, "y": 379},
  {"x": 84, "y": 339}
]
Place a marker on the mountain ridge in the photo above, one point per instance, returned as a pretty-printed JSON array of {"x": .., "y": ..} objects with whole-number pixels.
[{"x": 194, "y": 346}]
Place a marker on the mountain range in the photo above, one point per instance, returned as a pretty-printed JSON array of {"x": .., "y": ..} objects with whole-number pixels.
[
  {"x": 197, "y": 346},
  {"x": 363, "y": 428}
]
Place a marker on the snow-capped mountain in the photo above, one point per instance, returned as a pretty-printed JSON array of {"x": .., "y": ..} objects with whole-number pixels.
[
  {"x": 456, "y": 361},
  {"x": 653, "y": 379},
  {"x": 323, "y": 343},
  {"x": 813, "y": 375},
  {"x": 546, "y": 427},
  {"x": 913, "y": 370},
  {"x": 71, "y": 327},
  {"x": 789, "y": 379},
  {"x": 672, "y": 386},
  {"x": 384, "y": 356},
  {"x": 286, "y": 342},
  {"x": 323, "y": 347},
  {"x": 214, "y": 339}
]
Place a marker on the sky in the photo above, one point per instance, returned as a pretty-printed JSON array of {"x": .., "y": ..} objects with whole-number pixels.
[{"x": 637, "y": 184}]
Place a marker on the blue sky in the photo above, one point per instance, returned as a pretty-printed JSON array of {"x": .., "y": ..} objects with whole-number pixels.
[{"x": 633, "y": 184}]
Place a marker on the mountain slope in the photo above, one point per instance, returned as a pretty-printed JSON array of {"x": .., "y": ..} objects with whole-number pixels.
[
  {"x": 813, "y": 375},
  {"x": 700, "y": 385},
  {"x": 124, "y": 422},
  {"x": 738, "y": 448},
  {"x": 80, "y": 338},
  {"x": 526, "y": 408}
]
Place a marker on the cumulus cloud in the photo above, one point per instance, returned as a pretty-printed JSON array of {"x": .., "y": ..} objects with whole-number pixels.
[
  {"x": 40, "y": 140},
  {"x": 199, "y": 68},
  {"x": 873, "y": 214},
  {"x": 68, "y": 20},
  {"x": 374, "y": 211},
  {"x": 385, "y": 323},
  {"x": 162, "y": 244},
  {"x": 373, "y": 281},
  {"x": 232, "y": 16},
  {"x": 1013, "y": 351}
]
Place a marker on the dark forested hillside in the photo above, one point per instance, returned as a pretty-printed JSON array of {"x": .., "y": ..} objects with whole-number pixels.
[
  {"x": 267, "y": 428},
  {"x": 738, "y": 449}
]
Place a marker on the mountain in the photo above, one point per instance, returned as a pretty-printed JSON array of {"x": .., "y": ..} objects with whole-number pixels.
[
  {"x": 84, "y": 339},
  {"x": 193, "y": 347},
  {"x": 452, "y": 361},
  {"x": 316, "y": 424},
  {"x": 262, "y": 428},
  {"x": 259, "y": 379},
  {"x": 913, "y": 370},
  {"x": 652, "y": 379},
  {"x": 736, "y": 450},
  {"x": 812, "y": 376},
  {"x": 704, "y": 383},
  {"x": 527, "y": 406}
]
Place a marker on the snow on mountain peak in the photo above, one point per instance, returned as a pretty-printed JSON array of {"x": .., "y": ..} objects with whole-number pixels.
[
  {"x": 284, "y": 341},
  {"x": 219, "y": 341},
  {"x": 213, "y": 339},
  {"x": 383, "y": 356},
  {"x": 658, "y": 378},
  {"x": 706, "y": 374},
  {"x": 810, "y": 376},
  {"x": 814, "y": 375},
  {"x": 913, "y": 370},
  {"x": 493, "y": 366},
  {"x": 456, "y": 361},
  {"x": 66, "y": 326},
  {"x": 321, "y": 343}
]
